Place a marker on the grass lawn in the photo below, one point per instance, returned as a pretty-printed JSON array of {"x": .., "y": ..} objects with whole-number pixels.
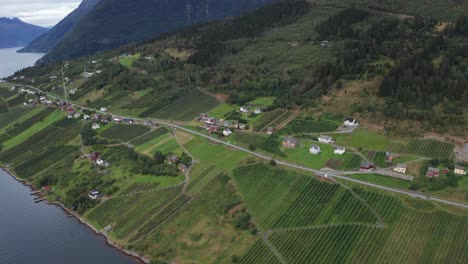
[
  {"x": 169, "y": 145},
  {"x": 363, "y": 138},
  {"x": 221, "y": 110},
  {"x": 215, "y": 154},
  {"x": 381, "y": 180},
  {"x": 265, "y": 101},
  {"x": 49, "y": 120},
  {"x": 128, "y": 61},
  {"x": 301, "y": 155}
]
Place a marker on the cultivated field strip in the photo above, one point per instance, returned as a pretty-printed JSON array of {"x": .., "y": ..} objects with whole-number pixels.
[
  {"x": 292, "y": 200},
  {"x": 126, "y": 213},
  {"x": 162, "y": 216},
  {"x": 264, "y": 121},
  {"x": 139, "y": 187},
  {"x": 409, "y": 236},
  {"x": 269, "y": 144},
  {"x": 423, "y": 147}
]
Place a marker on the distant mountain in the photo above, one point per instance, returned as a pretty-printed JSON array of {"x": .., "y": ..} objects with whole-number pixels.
[
  {"x": 16, "y": 33},
  {"x": 49, "y": 40},
  {"x": 114, "y": 23}
]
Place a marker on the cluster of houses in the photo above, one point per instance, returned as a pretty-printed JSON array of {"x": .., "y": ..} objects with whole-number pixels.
[
  {"x": 291, "y": 142},
  {"x": 95, "y": 157},
  {"x": 174, "y": 159},
  {"x": 213, "y": 125},
  {"x": 246, "y": 109},
  {"x": 22, "y": 90},
  {"x": 86, "y": 74},
  {"x": 436, "y": 172}
]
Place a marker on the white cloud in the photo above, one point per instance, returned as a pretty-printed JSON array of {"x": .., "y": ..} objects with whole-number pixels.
[{"x": 38, "y": 12}]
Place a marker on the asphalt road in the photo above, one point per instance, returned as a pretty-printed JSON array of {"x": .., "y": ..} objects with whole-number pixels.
[{"x": 279, "y": 162}]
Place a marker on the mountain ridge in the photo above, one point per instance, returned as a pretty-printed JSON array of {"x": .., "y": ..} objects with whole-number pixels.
[
  {"x": 15, "y": 33},
  {"x": 46, "y": 42}
]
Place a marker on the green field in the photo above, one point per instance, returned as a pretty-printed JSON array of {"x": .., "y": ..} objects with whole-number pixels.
[
  {"x": 299, "y": 126},
  {"x": 142, "y": 140},
  {"x": 125, "y": 133},
  {"x": 409, "y": 230},
  {"x": 128, "y": 61},
  {"x": 187, "y": 107},
  {"x": 266, "y": 118},
  {"x": 264, "y": 101},
  {"x": 363, "y": 138},
  {"x": 267, "y": 143},
  {"x": 222, "y": 110},
  {"x": 284, "y": 199},
  {"x": 423, "y": 147},
  {"x": 129, "y": 214},
  {"x": 33, "y": 127}
]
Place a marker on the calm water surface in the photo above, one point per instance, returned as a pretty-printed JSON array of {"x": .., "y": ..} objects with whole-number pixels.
[
  {"x": 33, "y": 233},
  {"x": 10, "y": 61}
]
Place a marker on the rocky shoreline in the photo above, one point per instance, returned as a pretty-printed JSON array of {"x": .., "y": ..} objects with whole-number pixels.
[{"x": 109, "y": 241}]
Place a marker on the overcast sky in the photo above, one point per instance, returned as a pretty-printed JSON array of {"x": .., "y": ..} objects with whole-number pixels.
[{"x": 39, "y": 12}]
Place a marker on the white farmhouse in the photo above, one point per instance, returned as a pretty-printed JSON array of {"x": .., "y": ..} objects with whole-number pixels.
[
  {"x": 103, "y": 109},
  {"x": 400, "y": 168},
  {"x": 314, "y": 149},
  {"x": 339, "y": 150},
  {"x": 257, "y": 111},
  {"x": 244, "y": 109},
  {"x": 349, "y": 121},
  {"x": 227, "y": 132},
  {"x": 96, "y": 126},
  {"x": 325, "y": 139}
]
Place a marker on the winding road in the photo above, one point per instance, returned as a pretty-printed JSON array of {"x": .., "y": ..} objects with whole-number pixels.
[{"x": 326, "y": 174}]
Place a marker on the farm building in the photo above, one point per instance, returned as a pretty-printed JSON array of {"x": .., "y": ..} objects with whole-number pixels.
[
  {"x": 367, "y": 166},
  {"x": 227, "y": 123},
  {"x": 86, "y": 117},
  {"x": 270, "y": 130},
  {"x": 210, "y": 121},
  {"x": 102, "y": 163},
  {"x": 314, "y": 149},
  {"x": 240, "y": 126},
  {"x": 148, "y": 123},
  {"x": 349, "y": 121},
  {"x": 96, "y": 126},
  {"x": 432, "y": 172},
  {"x": 77, "y": 115},
  {"x": 227, "y": 132},
  {"x": 459, "y": 170},
  {"x": 244, "y": 109},
  {"x": 94, "y": 194},
  {"x": 183, "y": 167},
  {"x": 173, "y": 159},
  {"x": 212, "y": 128},
  {"x": 339, "y": 150},
  {"x": 290, "y": 142},
  {"x": 103, "y": 109},
  {"x": 400, "y": 168},
  {"x": 257, "y": 111},
  {"x": 325, "y": 139}
]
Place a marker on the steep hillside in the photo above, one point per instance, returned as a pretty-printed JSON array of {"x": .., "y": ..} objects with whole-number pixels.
[
  {"x": 16, "y": 33},
  {"x": 46, "y": 42},
  {"x": 114, "y": 23}
]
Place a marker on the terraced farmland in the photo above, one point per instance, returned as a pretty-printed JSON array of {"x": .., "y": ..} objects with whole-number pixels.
[
  {"x": 299, "y": 126},
  {"x": 266, "y": 143},
  {"x": 423, "y": 147},
  {"x": 128, "y": 213},
  {"x": 284, "y": 199},
  {"x": 267, "y": 118},
  {"x": 187, "y": 107},
  {"x": 414, "y": 231},
  {"x": 150, "y": 136},
  {"x": 139, "y": 187},
  {"x": 125, "y": 133}
]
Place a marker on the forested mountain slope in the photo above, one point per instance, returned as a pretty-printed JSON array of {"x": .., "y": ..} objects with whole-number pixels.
[
  {"x": 114, "y": 23},
  {"x": 46, "y": 42}
]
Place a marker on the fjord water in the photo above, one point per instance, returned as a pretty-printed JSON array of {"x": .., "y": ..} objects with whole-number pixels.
[
  {"x": 32, "y": 233},
  {"x": 10, "y": 61}
]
